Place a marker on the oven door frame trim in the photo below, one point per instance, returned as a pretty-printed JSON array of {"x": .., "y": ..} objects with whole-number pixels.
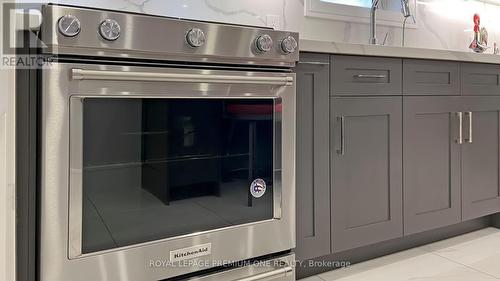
[{"x": 75, "y": 224}]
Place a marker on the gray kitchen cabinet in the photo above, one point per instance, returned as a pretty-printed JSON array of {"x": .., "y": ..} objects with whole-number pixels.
[
  {"x": 366, "y": 171},
  {"x": 389, "y": 148},
  {"x": 313, "y": 186},
  {"x": 366, "y": 76},
  {"x": 425, "y": 77},
  {"x": 481, "y": 157},
  {"x": 431, "y": 163}
]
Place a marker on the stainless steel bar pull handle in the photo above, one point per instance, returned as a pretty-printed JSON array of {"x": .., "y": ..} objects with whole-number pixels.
[
  {"x": 266, "y": 275},
  {"x": 368, "y": 76},
  {"x": 83, "y": 74},
  {"x": 469, "y": 136},
  {"x": 460, "y": 116},
  {"x": 314, "y": 62},
  {"x": 341, "y": 120}
]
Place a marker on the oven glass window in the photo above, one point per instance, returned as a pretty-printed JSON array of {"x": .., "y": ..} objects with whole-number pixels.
[{"x": 161, "y": 168}]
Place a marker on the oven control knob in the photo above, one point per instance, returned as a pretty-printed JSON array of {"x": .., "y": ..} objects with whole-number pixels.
[
  {"x": 69, "y": 25},
  {"x": 264, "y": 43},
  {"x": 288, "y": 45},
  {"x": 195, "y": 37},
  {"x": 109, "y": 29}
]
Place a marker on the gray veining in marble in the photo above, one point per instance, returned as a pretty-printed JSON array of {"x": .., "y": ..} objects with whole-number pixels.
[
  {"x": 139, "y": 6},
  {"x": 222, "y": 11}
]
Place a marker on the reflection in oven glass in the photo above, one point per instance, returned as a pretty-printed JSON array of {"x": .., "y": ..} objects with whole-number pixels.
[{"x": 160, "y": 168}]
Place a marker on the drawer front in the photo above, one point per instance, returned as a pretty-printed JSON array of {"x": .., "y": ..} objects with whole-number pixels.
[
  {"x": 425, "y": 77},
  {"x": 277, "y": 269},
  {"x": 480, "y": 79},
  {"x": 354, "y": 75}
]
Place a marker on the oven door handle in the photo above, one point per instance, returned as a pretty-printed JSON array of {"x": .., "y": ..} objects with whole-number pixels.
[
  {"x": 84, "y": 74},
  {"x": 284, "y": 271}
]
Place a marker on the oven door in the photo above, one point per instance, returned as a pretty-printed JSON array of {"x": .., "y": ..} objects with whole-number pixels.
[{"x": 149, "y": 173}]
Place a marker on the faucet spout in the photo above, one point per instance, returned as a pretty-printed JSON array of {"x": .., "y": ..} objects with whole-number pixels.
[{"x": 373, "y": 22}]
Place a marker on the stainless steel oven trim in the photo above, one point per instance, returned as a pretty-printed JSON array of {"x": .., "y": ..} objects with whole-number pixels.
[
  {"x": 237, "y": 243},
  {"x": 75, "y": 234},
  {"x": 277, "y": 165},
  {"x": 75, "y": 213}
]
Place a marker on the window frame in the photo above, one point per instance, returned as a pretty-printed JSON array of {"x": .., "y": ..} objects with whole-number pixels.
[{"x": 340, "y": 12}]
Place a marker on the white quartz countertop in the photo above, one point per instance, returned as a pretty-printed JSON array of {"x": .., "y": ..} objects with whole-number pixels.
[{"x": 398, "y": 52}]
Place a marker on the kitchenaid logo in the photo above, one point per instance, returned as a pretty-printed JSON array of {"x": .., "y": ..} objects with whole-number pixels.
[{"x": 191, "y": 252}]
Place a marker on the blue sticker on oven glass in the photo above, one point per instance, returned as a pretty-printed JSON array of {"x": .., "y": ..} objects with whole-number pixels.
[{"x": 258, "y": 188}]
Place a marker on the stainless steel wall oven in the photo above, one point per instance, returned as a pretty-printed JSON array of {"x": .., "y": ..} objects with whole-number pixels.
[{"x": 167, "y": 148}]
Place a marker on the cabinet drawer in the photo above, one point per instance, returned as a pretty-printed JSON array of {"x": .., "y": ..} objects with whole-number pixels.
[
  {"x": 353, "y": 75},
  {"x": 480, "y": 79},
  {"x": 425, "y": 77}
]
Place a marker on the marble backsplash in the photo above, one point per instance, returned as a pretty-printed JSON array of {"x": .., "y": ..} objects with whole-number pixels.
[{"x": 441, "y": 24}]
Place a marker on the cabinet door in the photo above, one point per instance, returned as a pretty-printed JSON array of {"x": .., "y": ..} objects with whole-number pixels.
[
  {"x": 366, "y": 172},
  {"x": 431, "y": 162},
  {"x": 313, "y": 186},
  {"x": 480, "y": 157}
]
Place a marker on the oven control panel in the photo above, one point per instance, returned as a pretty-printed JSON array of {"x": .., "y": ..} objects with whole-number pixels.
[
  {"x": 110, "y": 30},
  {"x": 94, "y": 32}
]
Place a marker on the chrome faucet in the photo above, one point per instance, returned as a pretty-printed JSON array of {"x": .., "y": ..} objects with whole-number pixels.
[
  {"x": 373, "y": 22},
  {"x": 405, "y": 10}
]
